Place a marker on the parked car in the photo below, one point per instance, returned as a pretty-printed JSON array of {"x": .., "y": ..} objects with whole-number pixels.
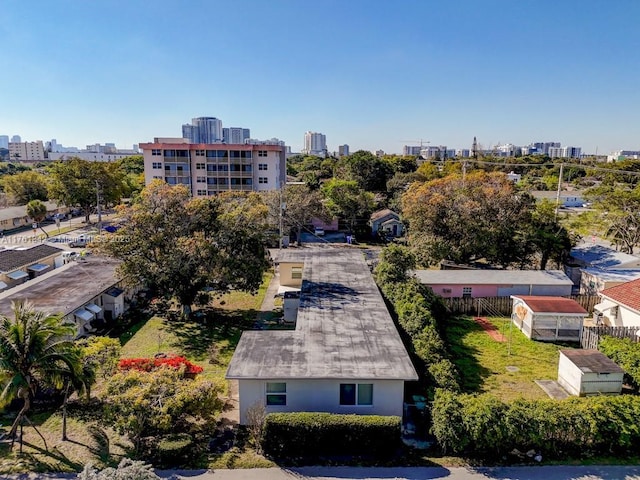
[
  {"x": 318, "y": 232},
  {"x": 80, "y": 241}
]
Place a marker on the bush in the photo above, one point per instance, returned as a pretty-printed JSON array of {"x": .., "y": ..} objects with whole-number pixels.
[
  {"x": 311, "y": 435},
  {"x": 149, "y": 364},
  {"x": 626, "y": 354},
  {"x": 176, "y": 449},
  {"x": 483, "y": 426}
]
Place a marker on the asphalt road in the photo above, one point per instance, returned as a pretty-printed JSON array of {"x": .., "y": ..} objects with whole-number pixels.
[{"x": 400, "y": 473}]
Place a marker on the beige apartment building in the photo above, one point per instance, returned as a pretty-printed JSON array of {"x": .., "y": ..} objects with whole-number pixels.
[
  {"x": 208, "y": 169},
  {"x": 24, "y": 151}
]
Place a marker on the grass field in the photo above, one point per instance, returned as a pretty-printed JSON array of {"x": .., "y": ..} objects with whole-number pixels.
[
  {"x": 221, "y": 326},
  {"x": 483, "y": 361}
]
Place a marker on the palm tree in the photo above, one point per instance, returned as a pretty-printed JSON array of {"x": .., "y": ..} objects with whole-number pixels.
[
  {"x": 38, "y": 212},
  {"x": 36, "y": 349}
]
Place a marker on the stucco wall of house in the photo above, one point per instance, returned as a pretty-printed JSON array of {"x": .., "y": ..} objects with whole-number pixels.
[
  {"x": 453, "y": 291},
  {"x": 627, "y": 317},
  {"x": 310, "y": 395},
  {"x": 286, "y": 280}
]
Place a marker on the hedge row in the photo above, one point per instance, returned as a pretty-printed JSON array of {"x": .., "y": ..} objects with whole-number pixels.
[
  {"x": 625, "y": 353},
  {"x": 420, "y": 313},
  {"x": 483, "y": 426},
  {"x": 310, "y": 434}
]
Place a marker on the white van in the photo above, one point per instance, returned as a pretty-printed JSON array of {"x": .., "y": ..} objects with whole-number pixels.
[{"x": 80, "y": 241}]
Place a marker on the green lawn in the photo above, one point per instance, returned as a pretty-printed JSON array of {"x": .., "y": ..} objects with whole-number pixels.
[{"x": 483, "y": 361}]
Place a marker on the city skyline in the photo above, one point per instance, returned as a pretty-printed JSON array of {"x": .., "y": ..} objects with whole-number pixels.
[{"x": 373, "y": 75}]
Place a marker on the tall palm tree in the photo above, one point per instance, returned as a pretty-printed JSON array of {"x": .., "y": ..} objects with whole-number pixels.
[{"x": 36, "y": 349}]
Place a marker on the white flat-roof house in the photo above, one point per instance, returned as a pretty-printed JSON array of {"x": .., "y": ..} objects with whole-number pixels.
[{"x": 345, "y": 354}]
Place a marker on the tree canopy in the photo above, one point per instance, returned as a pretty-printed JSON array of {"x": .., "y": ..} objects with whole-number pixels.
[
  {"x": 480, "y": 217},
  {"x": 181, "y": 246},
  {"x": 76, "y": 182},
  {"x": 25, "y": 186}
]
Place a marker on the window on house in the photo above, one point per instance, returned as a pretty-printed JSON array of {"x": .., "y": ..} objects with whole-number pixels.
[
  {"x": 156, "y": 151},
  {"x": 199, "y": 153},
  {"x": 296, "y": 273},
  {"x": 202, "y": 192},
  {"x": 263, "y": 180},
  {"x": 276, "y": 393},
  {"x": 200, "y": 166},
  {"x": 262, "y": 153},
  {"x": 356, "y": 394},
  {"x": 262, "y": 166},
  {"x": 157, "y": 165},
  {"x": 466, "y": 292},
  {"x": 201, "y": 179}
]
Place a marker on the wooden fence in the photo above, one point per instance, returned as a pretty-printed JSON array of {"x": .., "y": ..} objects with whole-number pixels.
[
  {"x": 501, "y": 306},
  {"x": 591, "y": 335}
]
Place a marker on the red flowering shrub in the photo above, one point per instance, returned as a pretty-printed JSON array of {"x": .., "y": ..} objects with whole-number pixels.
[{"x": 149, "y": 364}]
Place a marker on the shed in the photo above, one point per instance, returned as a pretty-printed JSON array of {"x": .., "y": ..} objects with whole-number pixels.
[
  {"x": 554, "y": 319},
  {"x": 589, "y": 372}
]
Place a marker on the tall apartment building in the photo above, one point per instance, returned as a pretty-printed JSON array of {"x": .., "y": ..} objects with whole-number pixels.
[
  {"x": 26, "y": 151},
  {"x": 343, "y": 150},
  {"x": 211, "y": 168},
  {"x": 564, "y": 152},
  {"x": 4, "y": 141},
  {"x": 315, "y": 144},
  {"x": 203, "y": 130},
  {"x": 411, "y": 150},
  {"x": 235, "y": 135}
]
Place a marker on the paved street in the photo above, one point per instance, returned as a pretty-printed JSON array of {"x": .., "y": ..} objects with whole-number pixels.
[{"x": 404, "y": 473}]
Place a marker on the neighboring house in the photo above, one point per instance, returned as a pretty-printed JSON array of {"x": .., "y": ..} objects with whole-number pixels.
[
  {"x": 345, "y": 354},
  {"x": 598, "y": 256},
  {"x": 15, "y": 217},
  {"x": 567, "y": 199},
  {"x": 495, "y": 283},
  {"x": 589, "y": 372},
  {"x": 554, "y": 319},
  {"x": 86, "y": 293},
  {"x": 386, "y": 221},
  {"x": 17, "y": 265},
  {"x": 331, "y": 226},
  {"x": 594, "y": 280},
  {"x": 620, "y": 305}
]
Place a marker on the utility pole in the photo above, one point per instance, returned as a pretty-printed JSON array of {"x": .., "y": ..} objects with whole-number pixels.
[
  {"x": 98, "y": 199},
  {"x": 558, "y": 192}
]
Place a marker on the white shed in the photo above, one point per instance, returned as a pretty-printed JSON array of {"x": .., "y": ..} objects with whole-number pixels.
[
  {"x": 589, "y": 372},
  {"x": 554, "y": 319}
]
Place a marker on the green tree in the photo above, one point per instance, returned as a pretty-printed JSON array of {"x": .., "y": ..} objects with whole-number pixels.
[
  {"x": 549, "y": 239},
  {"x": 394, "y": 264},
  {"x": 345, "y": 199},
  {"x": 479, "y": 217},
  {"x": 25, "y": 186},
  {"x": 38, "y": 212},
  {"x": 77, "y": 182},
  {"x": 368, "y": 171},
  {"x": 144, "y": 404},
  {"x": 180, "y": 246},
  {"x": 36, "y": 350}
]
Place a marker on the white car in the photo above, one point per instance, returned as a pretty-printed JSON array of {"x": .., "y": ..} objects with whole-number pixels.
[{"x": 318, "y": 232}]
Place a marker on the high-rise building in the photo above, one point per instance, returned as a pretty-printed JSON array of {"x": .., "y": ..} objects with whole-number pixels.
[
  {"x": 4, "y": 141},
  {"x": 208, "y": 169},
  {"x": 411, "y": 150},
  {"x": 235, "y": 135},
  {"x": 564, "y": 152},
  {"x": 203, "y": 130},
  {"x": 16, "y": 139},
  {"x": 343, "y": 150},
  {"x": 315, "y": 144}
]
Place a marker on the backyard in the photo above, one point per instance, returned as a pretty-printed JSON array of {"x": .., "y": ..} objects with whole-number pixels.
[
  {"x": 505, "y": 369},
  {"x": 208, "y": 339}
]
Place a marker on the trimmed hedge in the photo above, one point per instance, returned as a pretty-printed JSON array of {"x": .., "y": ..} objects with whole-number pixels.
[
  {"x": 484, "y": 427},
  {"x": 626, "y": 354},
  {"x": 314, "y": 434}
]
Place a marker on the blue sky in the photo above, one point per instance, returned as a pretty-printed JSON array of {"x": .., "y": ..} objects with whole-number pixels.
[{"x": 368, "y": 73}]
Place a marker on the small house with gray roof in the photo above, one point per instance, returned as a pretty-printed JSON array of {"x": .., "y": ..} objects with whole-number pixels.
[
  {"x": 17, "y": 265},
  {"x": 345, "y": 354}
]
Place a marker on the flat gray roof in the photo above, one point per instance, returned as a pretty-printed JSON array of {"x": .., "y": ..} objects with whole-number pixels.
[
  {"x": 493, "y": 277},
  {"x": 343, "y": 329},
  {"x": 64, "y": 290},
  {"x": 600, "y": 256},
  {"x": 592, "y": 361},
  {"x": 614, "y": 275}
]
